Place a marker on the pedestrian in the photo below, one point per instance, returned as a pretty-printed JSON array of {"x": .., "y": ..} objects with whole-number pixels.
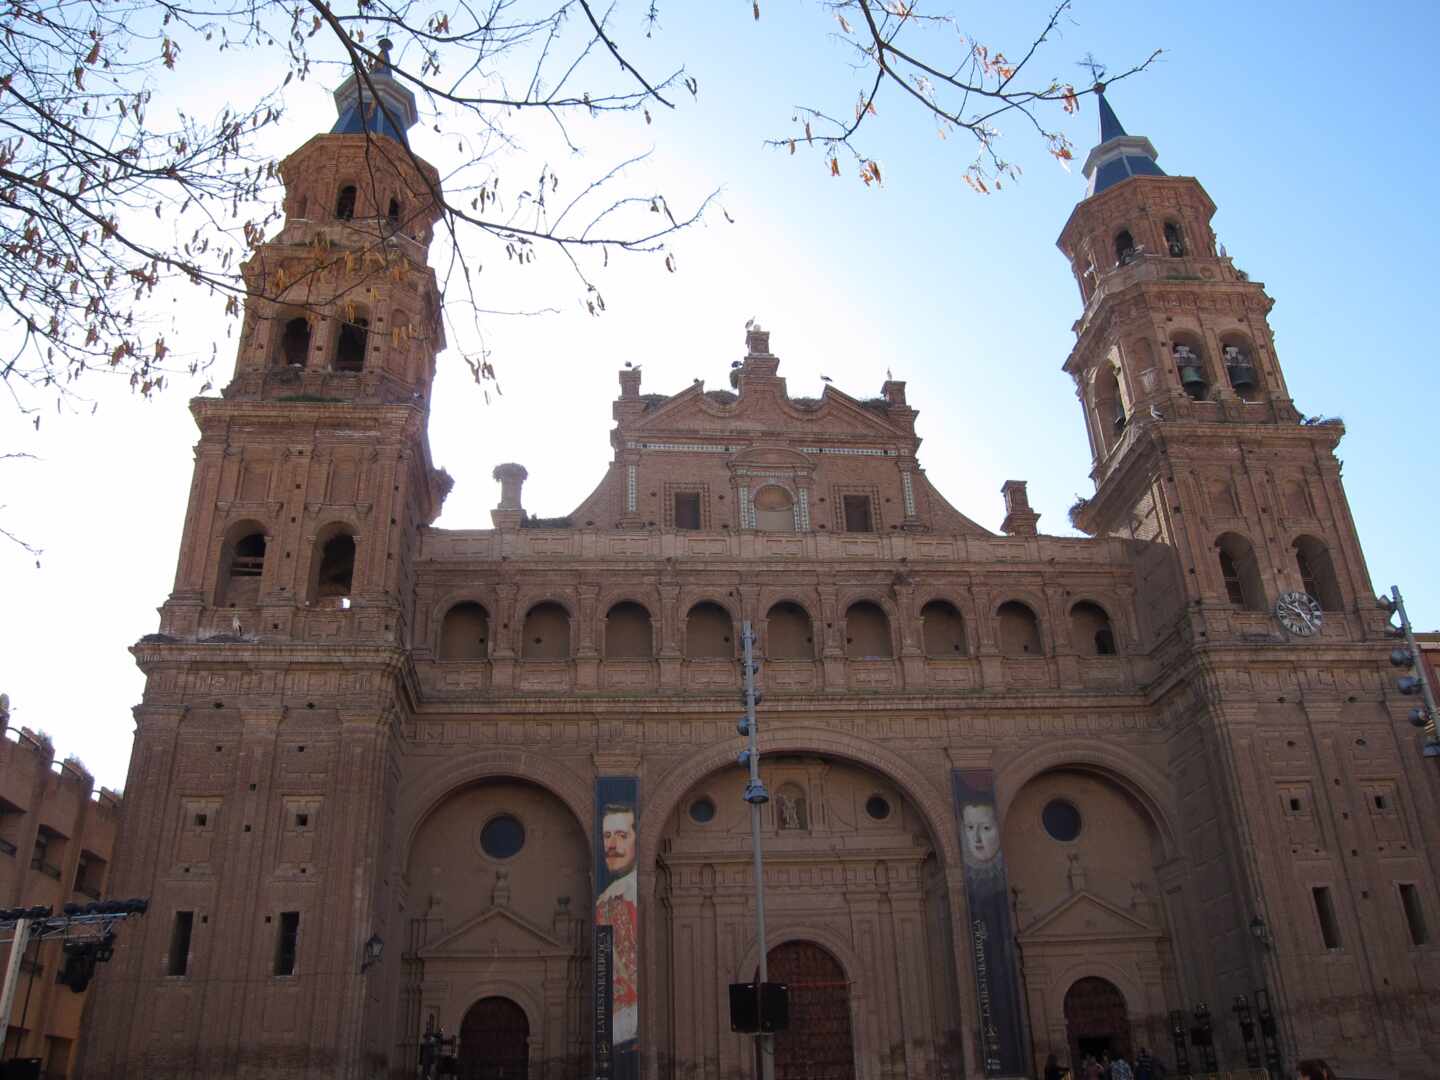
[
  {"x": 1315, "y": 1069},
  {"x": 1144, "y": 1066},
  {"x": 1120, "y": 1069},
  {"x": 1053, "y": 1069},
  {"x": 1091, "y": 1068},
  {"x": 1105, "y": 1065}
]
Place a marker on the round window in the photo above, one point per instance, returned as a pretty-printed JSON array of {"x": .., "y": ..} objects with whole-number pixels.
[
  {"x": 1061, "y": 820},
  {"x": 878, "y": 807},
  {"x": 702, "y": 810},
  {"x": 502, "y": 837}
]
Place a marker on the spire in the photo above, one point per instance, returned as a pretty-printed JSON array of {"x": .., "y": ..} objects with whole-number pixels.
[
  {"x": 1118, "y": 156},
  {"x": 357, "y": 111}
]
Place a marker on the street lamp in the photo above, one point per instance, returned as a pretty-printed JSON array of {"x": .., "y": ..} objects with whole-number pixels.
[
  {"x": 371, "y": 952},
  {"x": 1260, "y": 931}
]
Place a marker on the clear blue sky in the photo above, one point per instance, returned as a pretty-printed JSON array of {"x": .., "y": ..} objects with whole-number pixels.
[{"x": 1311, "y": 129}]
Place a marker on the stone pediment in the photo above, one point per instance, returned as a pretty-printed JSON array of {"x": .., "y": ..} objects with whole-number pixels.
[
  {"x": 762, "y": 410},
  {"x": 775, "y": 457},
  {"x": 1085, "y": 916},
  {"x": 496, "y": 932}
]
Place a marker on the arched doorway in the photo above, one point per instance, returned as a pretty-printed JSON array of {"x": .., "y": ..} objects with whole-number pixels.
[
  {"x": 495, "y": 1041},
  {"x": 818, "y": 1044},
  {"x": 1096, "y": 1020}
]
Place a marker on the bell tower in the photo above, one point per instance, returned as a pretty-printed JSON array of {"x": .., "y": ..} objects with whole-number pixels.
[
  {"x": 313, "y": 470},
  {"x": 263, "y": 781},
  {"x": 1194, "y": 438}
]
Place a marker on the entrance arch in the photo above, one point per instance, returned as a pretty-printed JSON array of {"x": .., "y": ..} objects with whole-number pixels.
[
  {"x": 495, "y": 1041},
  {"x": 818, "y": 1044},
  {"x": 1096, "y": 1019}
]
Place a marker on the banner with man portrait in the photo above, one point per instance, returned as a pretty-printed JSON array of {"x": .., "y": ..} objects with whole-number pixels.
[
  {"x": 997, "y": 983},
  {"x": 617, "y": 928}
]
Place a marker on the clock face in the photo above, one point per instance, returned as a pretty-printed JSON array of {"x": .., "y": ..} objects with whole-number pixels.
[{"x": 1298, "y": 613}]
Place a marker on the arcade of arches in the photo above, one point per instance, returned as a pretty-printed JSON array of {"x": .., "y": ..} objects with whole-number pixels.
[{"x": 861, "y": 911}]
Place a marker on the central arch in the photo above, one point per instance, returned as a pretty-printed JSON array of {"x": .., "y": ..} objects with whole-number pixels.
[
  {"x": 819, "y": 1043},
  {"x": 495, "y": 1041}
]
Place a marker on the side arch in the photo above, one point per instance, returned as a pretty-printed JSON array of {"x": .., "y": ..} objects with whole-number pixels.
[
  {"x": 1128, "y": 772},
  {"x": 934, "y": 804},
  {"x": 419, "y": 799}
]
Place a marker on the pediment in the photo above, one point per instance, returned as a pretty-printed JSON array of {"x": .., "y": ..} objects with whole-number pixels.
[
  {"x": 780, "y": 457},
  {"x": 495, "y": 932},
  {"x": 694, "y": 410},
  {"x": 1086, "y": 916}
]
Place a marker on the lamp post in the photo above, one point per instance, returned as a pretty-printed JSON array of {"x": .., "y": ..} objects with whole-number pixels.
[
  {"x": 756, "y": 796},
  {"x": 1246, "y": 1019}
]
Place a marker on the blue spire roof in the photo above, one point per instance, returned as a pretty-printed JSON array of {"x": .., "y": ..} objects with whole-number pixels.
[
  {"x": 1118, "y": 156},
  {"x": 358, "y": 112}
]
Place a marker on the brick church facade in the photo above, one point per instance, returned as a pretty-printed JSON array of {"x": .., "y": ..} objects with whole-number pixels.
[{"x": 388, "y": 778}]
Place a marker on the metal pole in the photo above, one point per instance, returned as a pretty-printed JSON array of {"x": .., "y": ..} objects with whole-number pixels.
[
  {"x": 12, "y": 977},
  {"x": 1426, "y": 690},
  {"x": 755, "y": 796}
]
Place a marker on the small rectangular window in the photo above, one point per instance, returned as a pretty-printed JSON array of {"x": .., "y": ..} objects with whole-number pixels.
[
  {"x": 302, "y": 820},
  {"x": 1325, "y": 911},
  {"x": 201, "y": 820},
  {"x": 1295, "y": 806},
  {"x": 1381, "y": 803},
  {"x": 687, "y": 510},
  {"x": 285, "y": 942},
  {"x": 179, "y": 962},
  {"x": 1414, "y": 914},
  {"x": 857, "y": 514}
]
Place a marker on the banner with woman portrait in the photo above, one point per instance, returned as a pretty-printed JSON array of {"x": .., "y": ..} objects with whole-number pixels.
[
  {"x": 617, "y": 928},
  {"x": 997, "y": 983}
]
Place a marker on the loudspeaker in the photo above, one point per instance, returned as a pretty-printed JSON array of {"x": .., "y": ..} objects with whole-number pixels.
[{"x": 774, "y": 1008}]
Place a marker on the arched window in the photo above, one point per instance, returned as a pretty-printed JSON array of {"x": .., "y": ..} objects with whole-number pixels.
[
  {"x": 1317, "y": 572},
  {"x": 335, "y": 573},
  {"x": 465, "y": 633},
  {"x": 1125, "y": 250},
  {"x": 345, "y": 203},
  {"x": 1190, "y": 363},
  {"x": 774, "y": 509},
  {"x": 1239, "y": 369},
  {"x": 709, "y": 633},
  {"x": 295, "y": 342},
  {"x": 243, "y": 563},
  {"x": 1018, "y": 630},
  {"x": 627, "y": 633},
  {"x": 788, "y": 635},
  {"x": 1174, "y": 239},
  {"x": 546, "y": 633},
  {"x": 867, "y": 632},
  {"x": 1240, "y": 571},
  {"x": 1109, "y": 402},
  {"x": 351, "y": 343},
  {"x": 1090, "y": 630},
  {"x": 392, "y": 213},
  {"x": 943, "y": 630}
]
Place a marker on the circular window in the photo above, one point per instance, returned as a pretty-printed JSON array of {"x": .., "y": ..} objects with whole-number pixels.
[
  {"x": 502, "y": 837},
  {"x": 702, "y": 810},
  {"x": 1061, "y": 820},
  {"x": 878, "y": 807}
]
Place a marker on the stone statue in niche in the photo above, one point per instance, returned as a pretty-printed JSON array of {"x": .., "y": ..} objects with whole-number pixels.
[{"x": 790, "y": 801}]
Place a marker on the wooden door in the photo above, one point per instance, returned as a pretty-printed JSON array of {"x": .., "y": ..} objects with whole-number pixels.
[
  {"x": 818, "y": 1045},
  {"x": 1096, "y": 1019},
  {"x": 495, "y": 1041}
]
